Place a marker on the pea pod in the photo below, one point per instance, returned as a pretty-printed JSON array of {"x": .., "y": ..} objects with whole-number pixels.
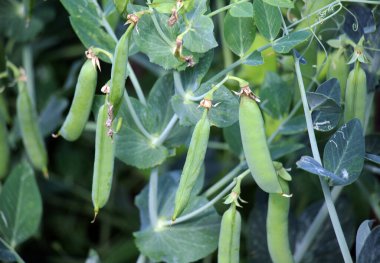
[
  {"x": 277, "y": 225},
  {"x": 193, "y": 164},
  {"x": 4, "y": 148},
  {"x": 356, "y": 95},
  {"x": 119, "y": 70},
  {"x": 338, "y": 69},
  {"x": 255, "y": 143},
  {"x": 30, "y": 132},
  {"x": 229, "y": 237},
  {"x": 104, "y": 162},
  {"x": 81, "y": 106}
]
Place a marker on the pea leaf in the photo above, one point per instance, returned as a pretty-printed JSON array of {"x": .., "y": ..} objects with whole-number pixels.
[
  {"x": 20, "y": 205},
  {"x": 254, "y": 59},
  {"x": 232, "y": 136},
  {"x": 287, "y": 43},
  {"x": 159, "y": 50},
  {"x": 310, "y": 165},
  {"x": 200, "y": 7},
  {"x": 283, "y": 148},
  {"x": 280, "y": 3},
  {"x": 179, "y": 242},
  {"x": 275, "y": 96},
  {"x": 6, "y": 254},
  {"x": 200, "y": 38},
  {"x": 295, "y": 125},
  {"x": 370, "y": 252},
  {"x": 363, "y": 18},
  {"x": 85, "y": 18},
  {"x": 363, "y": 232},
  {"x": 239, "y": 33},
  {"x": 267, "y": 18},
  {"x": 344, "y": 153},
  {"x": 244, "y": 9}
]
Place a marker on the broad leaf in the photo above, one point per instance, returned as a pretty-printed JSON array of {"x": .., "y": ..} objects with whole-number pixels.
[
  {"x": 20, "y": 205},
  {"x": 280, "y": 3},
  {"x": 344, "y": 152},
  {"x": 244, "y": 9},
  {"x": 232, "y": 136},
  {"x": 310, "y": 165},
  {"x": 275, "y": 96},
  {"x": 200, "y": 7},
  {"x": 239, "y": 33},
  {"x": 370, "y": 252},
  {"x": 254, "y": 59},
  {"x": 6, "y": 254},
  {"x": 179, "y": 242},
  {"x": 200, "y": 38},
  {"x": 295, "y": 125},
  {"x": 283, "y": 148},
  {"x": 362, "y": 17},
  {"x": 363, "y": 232},
  {"x": 287, "y": 43},
  {"x": 267, "y": 18}
]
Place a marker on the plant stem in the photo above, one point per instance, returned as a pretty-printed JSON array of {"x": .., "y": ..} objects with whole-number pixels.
[
  {"x": 141, "y": 259},
  {"x": 153, "y": 183},
  {"x": 159, "y": 29},
  {"x": 166, "y": 132},
  {"x": 222, "y": 182},
  {"x": 27, "y": 61},
  {"x": 314, "y": 148},
  {"x": 224, "y": 8},
  {"x": 362, "y": 2},
  {"x": 218, "y": 145},
  {"x": 136, "y": 85},
  {"x": 14, "y": 253},
  {"x": 227, "y": 55},
  {"x": 135, "y": 117},
  {"x": 313, "y": 229}
]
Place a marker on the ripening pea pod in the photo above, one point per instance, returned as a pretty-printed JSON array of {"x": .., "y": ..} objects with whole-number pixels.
[
  {"x": 194, "y": 160},
  {"x": 277, "y": 221},
  {"x": 103, "y": 163},
  {"x": 30, "y": 132},
  {"x": 254, "y": 142},
  {"x": 4, "y": 148},
  {"x": 356, "y": 95},
  {"x": 229, "y": 236},
  {"x": 338, "y": 68},
  {"x": 119, "y": 70},
  {"x": 80, "y": 108}
]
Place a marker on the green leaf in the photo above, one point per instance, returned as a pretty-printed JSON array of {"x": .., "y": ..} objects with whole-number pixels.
[
  {"x": 200, "y": 7},
  {"x": 254, "y": 59},
  {"x": 267, "y": 18},
  {"x": 370, "y": 252},
  {"x": 6, "y": 254},
  {"x": 275, "y": 96},
  {"x": 310, "y": 165},
  {"x": 344, "y": 152},
  {"x": 244, "y": 9},
  {"x": 20, "y": 205},
  {"x": 179, "y": 242},
  {"x": 286, "y": 43},
  {"x": 295, "y": 125},
  {"x": 283, "y": 148},
  {"x": 363, "y": 232},
  {"x": 280, "y": 3},
  {"x": 121, "y": 5},
  {"x": 223, "y": 115},
  {"x": 155, "y": 47},
  {"x": 84, "y": 8},
  {"x": 239, "y": 33},
  {"x": 232, "y": 136},
  {"x": 200, "y": 38}
]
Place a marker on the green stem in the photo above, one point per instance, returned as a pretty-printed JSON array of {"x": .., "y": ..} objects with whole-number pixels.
[
  {"x": 224, "y": 8},
  {"x": 218, "y": 146},
  {"x": 227, "y": 55},
  {"x": 362, "y": 2},
  {"x": 27, "y": 61},
  {"x": 166, "y": 132},
  {"x": 314, "y": 228},
  {"x": 136, "y": 85},
  {"x": 141, "y": 259},
  {"x": 225, "y": 179},
  {"x": 152, "y": 199},
  {"x": 14, "y": 253},
  {"x": 159, "y": 30}
]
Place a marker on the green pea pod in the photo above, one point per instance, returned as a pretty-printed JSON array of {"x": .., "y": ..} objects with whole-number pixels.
[
  {"x": 119, "y": 70},
  {"x": 229, "y": 237},
  {"x": 193, "y": 164},
  {"x": 255, "y": 146},
  {"x": 277, "y": 226},
  {"x": 121, "y": 5},
  {"x": 356, "y": 95},
  {"x": 338, "y": 69},
  {"x": 4, "y": 109},
  {"x": 30, "y": 132},
  {"x": 4, "y": 148},
  {"x": 81, "y": 106},
  {"x": 104, "y": 162}
]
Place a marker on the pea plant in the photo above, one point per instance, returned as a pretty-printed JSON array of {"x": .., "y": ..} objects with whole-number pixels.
[{"x": 189, "y": 131}]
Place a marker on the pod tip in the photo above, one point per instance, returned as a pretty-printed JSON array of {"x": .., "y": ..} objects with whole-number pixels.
[
  {"x": 287, "y": 195},
  {"x": 45, "y": 172},
  {"x": 96, "y": 211},
  {"x": 55, "y": 135}
]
